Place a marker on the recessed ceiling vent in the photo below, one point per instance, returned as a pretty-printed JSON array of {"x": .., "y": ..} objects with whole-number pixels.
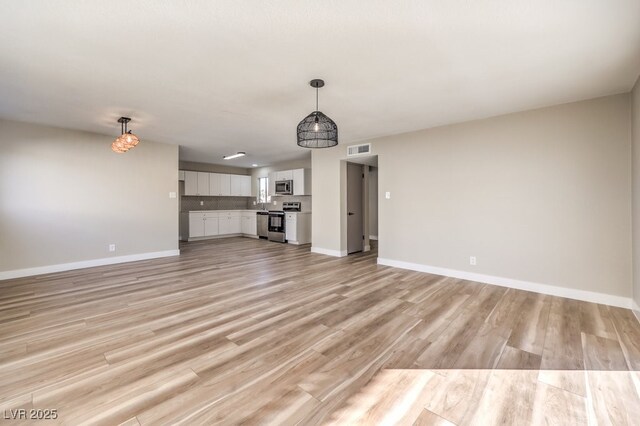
[{"x": 361, "y": 149}]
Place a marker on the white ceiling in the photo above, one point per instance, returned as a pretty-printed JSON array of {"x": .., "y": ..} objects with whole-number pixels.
[{"x": 218, "y": 77}]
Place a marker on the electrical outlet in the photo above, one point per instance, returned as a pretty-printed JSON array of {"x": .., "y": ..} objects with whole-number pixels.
[
  {"x": 254, "y": 203},
  {"x": 387, "y": 195},
  {"x": 112, "y": 247},
  {"x": 472, "y": 260},
  {"x": 275, "y": 203},
  {"x": 172, "y": 195},
  {"x": 202, "y": 203}
]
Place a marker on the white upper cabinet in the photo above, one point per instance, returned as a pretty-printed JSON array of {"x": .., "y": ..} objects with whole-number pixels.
[
  {"x": 241, "y": 185},
  {"x": 203, "y": 183},
  {"x": 284, "y": 175},
  {"x": 220, "y": 184},
  {"x": 301, "y": 181},
  {"x": 272, "y": 183},
  {"x": 225, "y": 184},
  {"x": 190, "y": 183},
  {"x": 216, "y": 184},
  {"x": 245, "y": 188},
  {"x": 196, "y": 183}
]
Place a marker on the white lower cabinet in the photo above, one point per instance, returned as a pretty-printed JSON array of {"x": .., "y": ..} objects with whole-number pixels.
[
  {"x": 249, "y": 224},
  {"x": 196, "y": 225},
  {"x": 203, "y": 224},
  {"x": 298, "y": 228},
  {"x": 290, "y": 227},
  {"x": 229, "y": 223},
  {"x": 210, "y": 226}
]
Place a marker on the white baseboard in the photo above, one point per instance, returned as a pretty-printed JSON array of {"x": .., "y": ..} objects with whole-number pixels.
[
  {"x": 373, "y": 237},
  {"x": 636, "y": 309},
  {"x": 587, "y": 296},
  {"x": 328, "y": 252},
  {"x": 39, "y": 270}
]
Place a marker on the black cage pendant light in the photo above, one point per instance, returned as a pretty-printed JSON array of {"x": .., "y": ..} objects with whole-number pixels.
[{"x": 317, "y": 130}]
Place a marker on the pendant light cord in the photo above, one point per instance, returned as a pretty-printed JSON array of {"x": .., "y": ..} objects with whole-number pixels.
[{"x": 316, "y": 98}]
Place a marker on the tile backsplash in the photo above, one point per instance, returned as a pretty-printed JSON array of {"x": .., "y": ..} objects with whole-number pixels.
[
  {"x": 189, "y": 203},
  {"x": 305, "y": 202}
]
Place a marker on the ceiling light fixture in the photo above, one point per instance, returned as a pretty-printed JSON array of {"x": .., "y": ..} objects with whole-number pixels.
[
  {"x": 126, "y": 140},
  {"x": 317, "y": 130},
  {"x": 236, "y": 155},
  {"x": 254, "y": 165}
]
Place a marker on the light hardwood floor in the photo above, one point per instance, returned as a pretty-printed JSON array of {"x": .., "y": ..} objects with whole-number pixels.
[{"x": 246, "y": 331}]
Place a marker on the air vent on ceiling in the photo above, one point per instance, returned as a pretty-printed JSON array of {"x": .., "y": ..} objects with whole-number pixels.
[{"x": 361, "y": 149}]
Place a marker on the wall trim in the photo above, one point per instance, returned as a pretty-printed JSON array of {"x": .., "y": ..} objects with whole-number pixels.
[
  {"x": 40, "y": 270},
  {"x": 636, "y": 309},
  {"x": 587, "y": 296},
  {"x": 329, "y": 252},
  {"x": 373, "y": 237}
]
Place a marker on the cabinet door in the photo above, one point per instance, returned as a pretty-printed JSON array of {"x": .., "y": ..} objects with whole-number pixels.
[
  {"x": 225, "y": 184},
  {"x": 290, "y": 227},
  {"x": 236, "y": 185},
  {"x": 196, "y": 226},
  {"x": 298, "y": 182},
  {"x": 245, "y": 224},
  {"x": 214, "y": 184},
  {"x": 203, "y": 183},
  {"x": 235, "y": 225},
  {"x": 272, "y": 183},
  {"x": 224, "y": 225},
  {"x": 190, "y": 183},
  {"x": 245, "y": 186},
  {"x": 210, "y": 226},
  {"x": 249, "y": 225},
  {"x": 284, "y": 175}
]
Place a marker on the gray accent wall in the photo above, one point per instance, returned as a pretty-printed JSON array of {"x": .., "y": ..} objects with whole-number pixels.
[
  {"x": 65, "y": 196},
  {"x": 541, "y": 196}
]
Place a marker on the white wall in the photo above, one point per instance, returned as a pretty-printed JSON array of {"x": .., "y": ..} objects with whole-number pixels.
[
  {"x": 539, "y": 196},
  {"x": 65, "y": 196},
  {"x": 635, "y": 101}
]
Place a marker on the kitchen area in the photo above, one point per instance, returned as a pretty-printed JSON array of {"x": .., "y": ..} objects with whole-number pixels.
[{"x": 269, "y": 203}]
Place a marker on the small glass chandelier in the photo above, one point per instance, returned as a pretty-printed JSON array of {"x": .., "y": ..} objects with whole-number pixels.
[
  {"x": 126, "y": 140},
  {"x": 317, "y": 130}
]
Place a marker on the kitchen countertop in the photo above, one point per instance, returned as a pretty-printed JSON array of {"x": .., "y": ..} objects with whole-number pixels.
[
  {"x": 220, "y": 211},
  {"x": 237, "y": 210}
]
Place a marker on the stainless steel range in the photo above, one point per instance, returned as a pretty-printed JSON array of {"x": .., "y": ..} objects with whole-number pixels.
[
  {"x": 277, "y": 231},
  {"x": 276, "y": 226}
]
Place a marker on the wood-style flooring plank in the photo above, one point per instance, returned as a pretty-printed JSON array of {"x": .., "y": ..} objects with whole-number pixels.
[{"x": 244, "y": 331}]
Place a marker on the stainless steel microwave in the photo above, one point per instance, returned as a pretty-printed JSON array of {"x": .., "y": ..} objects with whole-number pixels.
[{"x": 284, "y": 187}]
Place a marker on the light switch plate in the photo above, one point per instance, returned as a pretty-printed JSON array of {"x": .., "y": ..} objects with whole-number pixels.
[
  {"x": 387, "y": 195},
  {"x": 112, "y": 247},
  {"x": 172, "y": 194}
]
